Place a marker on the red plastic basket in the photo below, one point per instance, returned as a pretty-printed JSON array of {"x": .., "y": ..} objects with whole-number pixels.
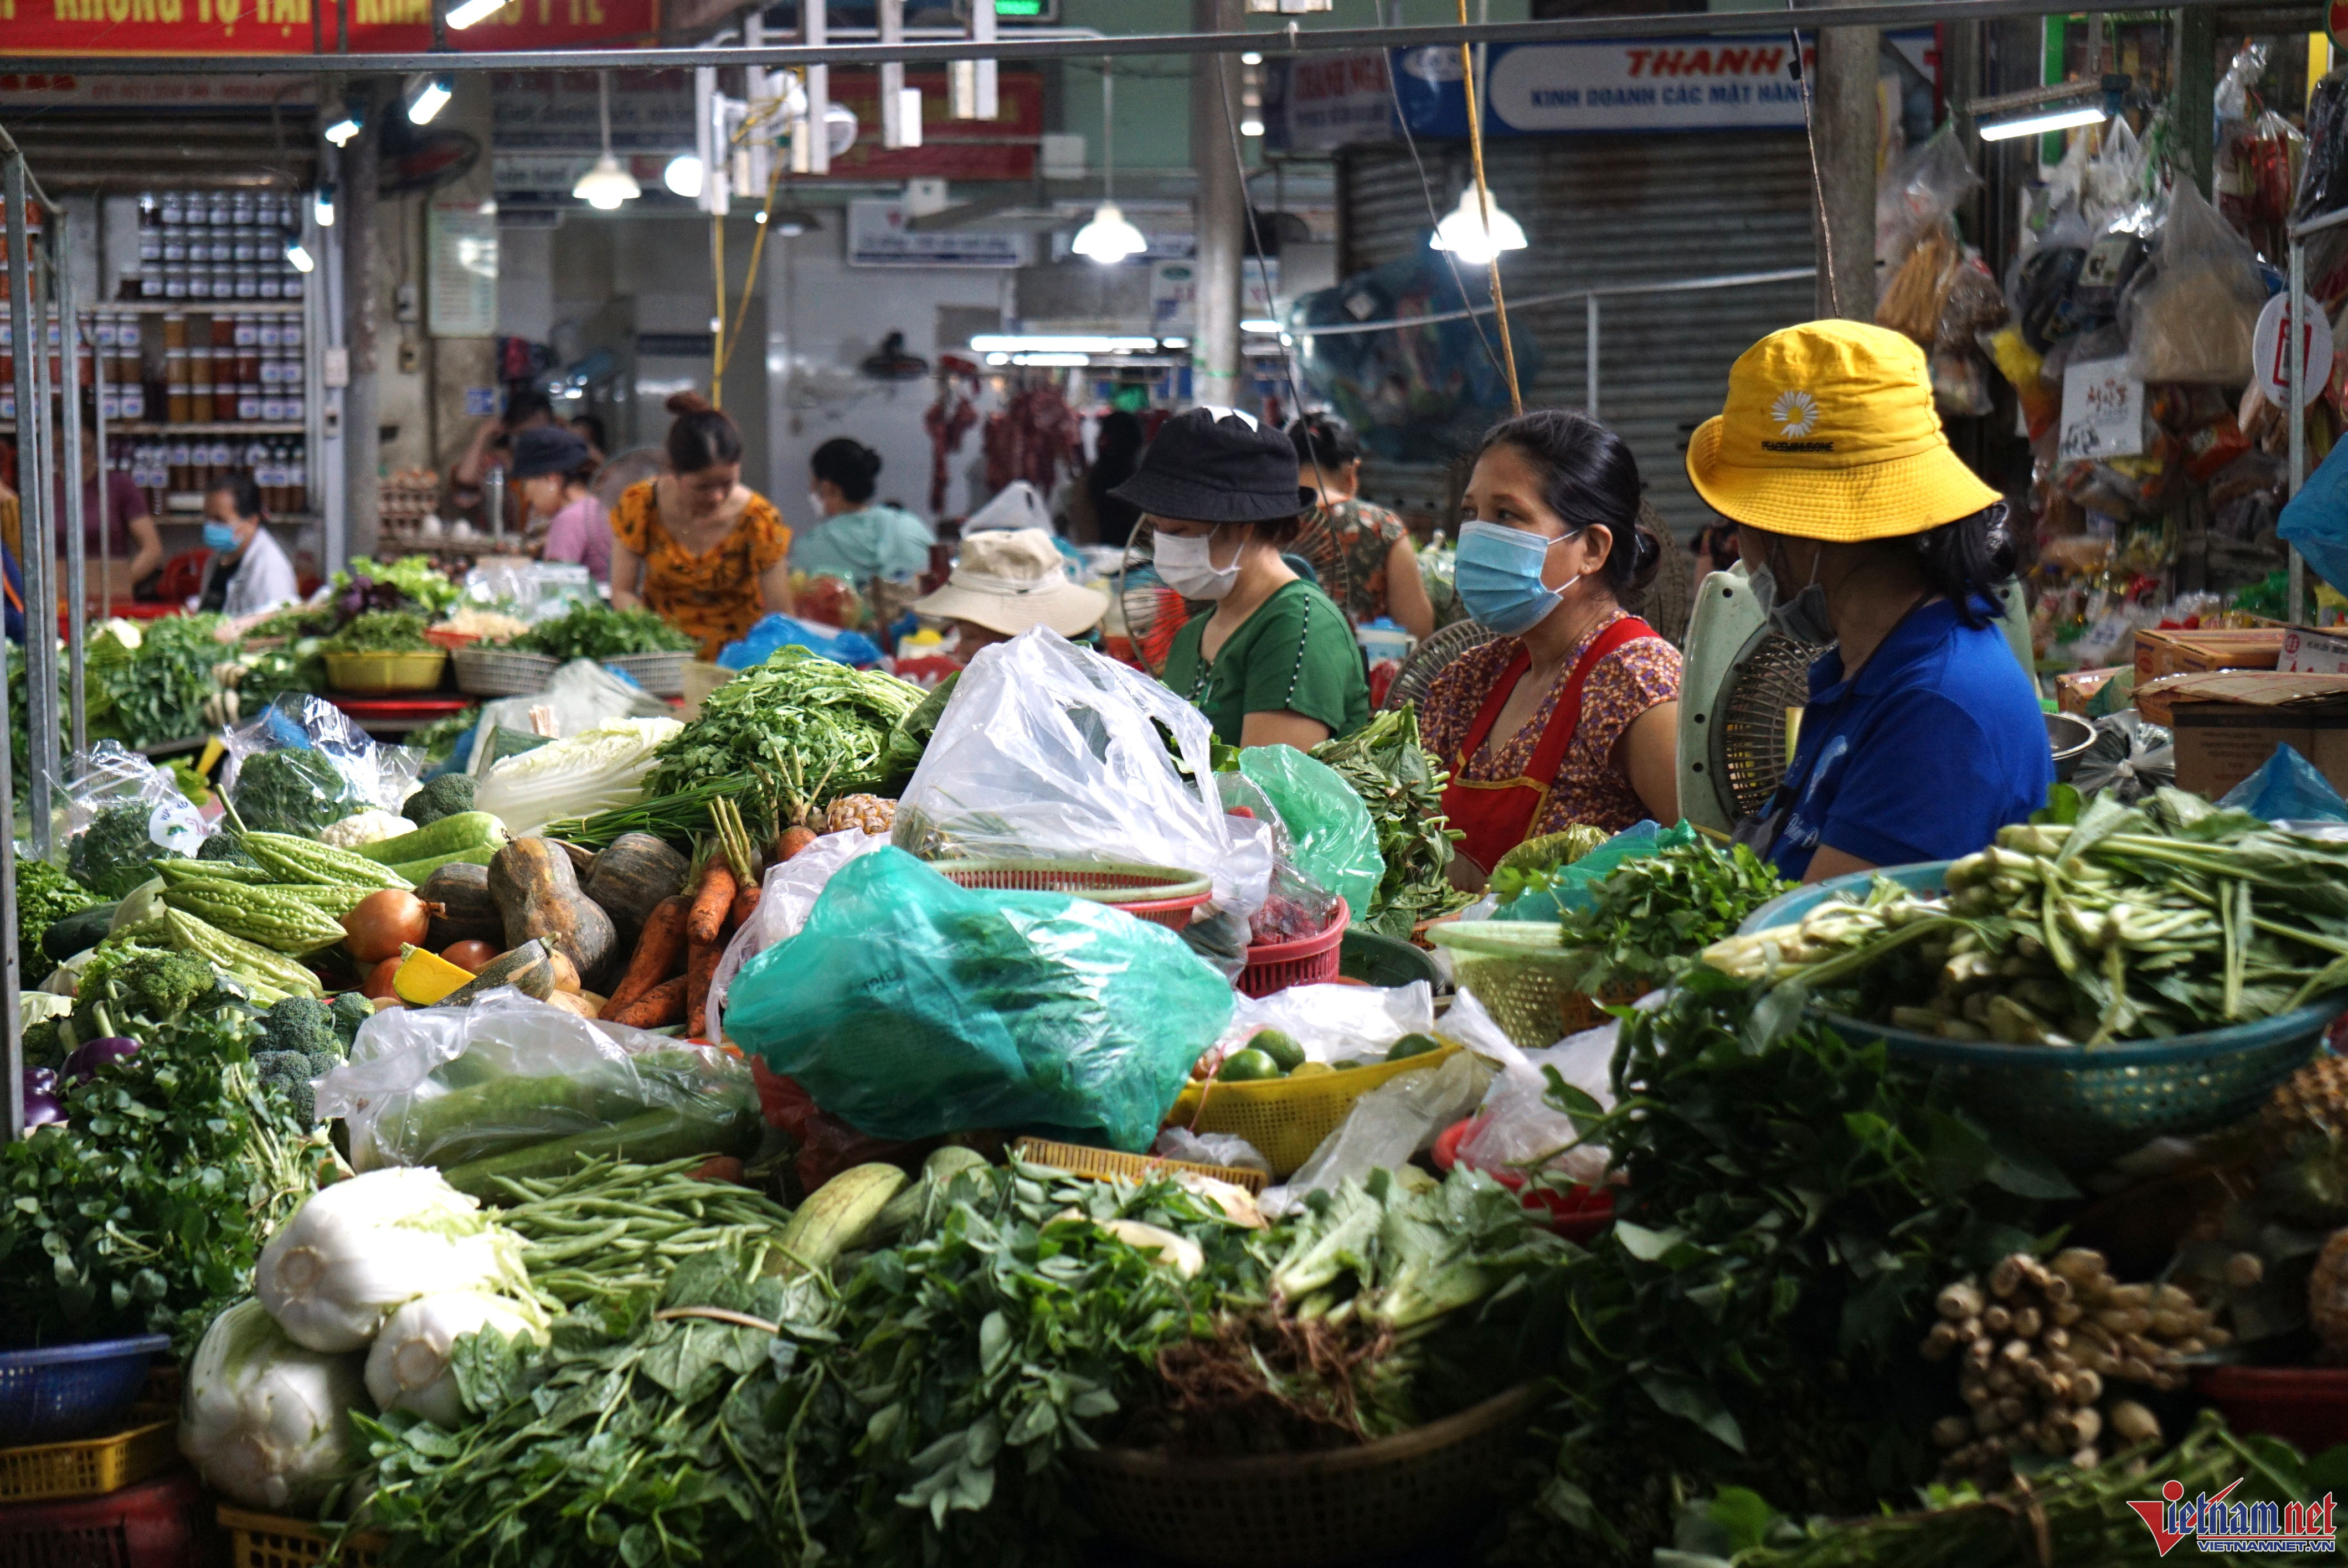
[
  {"x": 1306, "y": 961},
  {"x": 159, "y": 1524},
  {"x": 1577, "y": 1216},
  {"x": 2307, "y": 1407},
  {"x": 1159, "y": 893}
]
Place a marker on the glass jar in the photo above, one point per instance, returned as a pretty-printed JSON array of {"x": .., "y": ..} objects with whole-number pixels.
[
  {"x": 176, "y": 396},
  {"x": 248, "y": 283},
  {"x": 170, "y": 245},
  {"x": 270, "y": 287},
  {"x": 150, "y": 282},
  {"x": 240, "y": 207},
  {"x": 170, "y": 210},
  {"x": 150, "y": 245},
  {"x": 248, "y": 401},
  {"x": 295, "y": 404},
  {"x": 175, "y": 281},
  {"x": 289, "y": 335},
  {"x": 245, "y": 248},
  {"x": 268, "y": 333},
  {"x": 134, "y": 402},
  {"x": 150, "y": 210},
  {"x": 289, "y": 286},
  {"x": 216, "y": 211},
  {"x": 223, "y": 245},
  {"x": 175, "y": 328}
]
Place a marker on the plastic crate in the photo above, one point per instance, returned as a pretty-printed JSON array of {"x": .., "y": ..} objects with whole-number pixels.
[
  {"x": 269, "y": 1541},
  {"x": 2307, "y": 1407},
  {"x": 1159, "y": 893},
  {"x": 1306, "y": 961},
  {"x": 72, "y": 1390},
  {"x": 159, "y": 1524},
  {"x": 367, "y": 672},
  {"x": 91, "y": 1467},
  {"x": 1111, "y": 1165},
  {"x": 1284, "y": 1119}
]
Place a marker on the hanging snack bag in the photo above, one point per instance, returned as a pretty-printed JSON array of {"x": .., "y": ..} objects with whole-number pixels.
[{"x": 2189, "y": 314}]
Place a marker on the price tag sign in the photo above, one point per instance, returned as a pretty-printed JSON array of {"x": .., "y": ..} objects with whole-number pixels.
[
  {"x": 2335, "y": 17},
  {"x": 2103, "y": 410},
  {"x": 2271, "y": 348}
]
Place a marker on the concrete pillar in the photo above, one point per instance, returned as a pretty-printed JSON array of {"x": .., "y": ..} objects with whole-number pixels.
[
  {"x": 1844, "y": 127},
  {"x": 1220, "y": 211},
  {"x": 458, "y": 363},
  {"x": 363, "y": 399}
]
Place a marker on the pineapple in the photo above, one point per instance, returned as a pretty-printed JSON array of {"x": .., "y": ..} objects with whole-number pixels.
[
  {"x": 2327, "y": 1298},
  {"x": 2304, "y": 1139},
  {"x": 866, "y": 813}
]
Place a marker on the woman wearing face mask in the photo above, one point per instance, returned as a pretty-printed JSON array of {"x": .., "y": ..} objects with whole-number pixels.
[
  {"x": 1858, "y": 526},
  {"x": 1570, "y": 716},
  {"x": 697, "y": 547},
  {"x": 853, "y": 538},
  {"x": 1276, "y": 662},
  {"x": 248, "y": 576}
]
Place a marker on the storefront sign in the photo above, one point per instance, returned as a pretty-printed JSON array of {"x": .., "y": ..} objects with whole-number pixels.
[
  {"x": 2271, "y": 349},
  {"x": 1174, "y": 292},
  {"x": 1314, "y": 103},
  {"x": 460, "y": 236},
  {"x": 878, "y": 237},
  {"x": 2103, "y": 410},
  {"x": 288, "y": 27}
]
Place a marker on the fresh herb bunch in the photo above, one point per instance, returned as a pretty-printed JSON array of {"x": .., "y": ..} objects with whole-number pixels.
[
  {"x": 912, "y": 734},
  {"x": 598, "y": 631},
  {"x": 294, "y": 789},
  {"x": 1792, "y": 1206},
  {"x": 155, "y": 678},
  {"x": 296, "y": 621},
  {"x": 44, "y": 896},
  {"x": 111, "y": 855},
  {"x": 821, "y": 728},
  {"x": 268, "y": 675},
  {"x": 1401, "y": 786},
  {"x": 1650, "y": 919},
  {"x": 145, "y": 1212},
  {"x": 411, "y": 581},
  {"x": 681, "y": 816},
  {"x": 379, "y": 631}
]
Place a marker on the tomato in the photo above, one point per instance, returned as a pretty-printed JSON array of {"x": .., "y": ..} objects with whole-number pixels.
[
  {"x": 377, "y": 986},
  {"x": 470, "y": 955}
]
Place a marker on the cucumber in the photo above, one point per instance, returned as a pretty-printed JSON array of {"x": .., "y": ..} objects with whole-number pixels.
[
  {"x": 76, "y": 933},
  {"x": 464, "y": 830},
  {"x": 646, "y": 1140}
]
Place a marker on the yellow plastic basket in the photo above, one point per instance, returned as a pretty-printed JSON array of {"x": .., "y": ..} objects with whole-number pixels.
[
  {"x": 1286, "y": 1118},
  {"x": 91, "y": 1467},
  {"x": 1110, "y": 1165},
  {"x": 417, "y": 671},
  {"x": 266, "y": 1540}
]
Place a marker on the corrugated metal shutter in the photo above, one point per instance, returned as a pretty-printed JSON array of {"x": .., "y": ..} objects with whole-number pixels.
[{"x": 1603, "y": 211}]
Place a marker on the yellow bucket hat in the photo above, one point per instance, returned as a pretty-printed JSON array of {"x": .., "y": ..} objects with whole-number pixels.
[{"x": 1830, "y": 433}]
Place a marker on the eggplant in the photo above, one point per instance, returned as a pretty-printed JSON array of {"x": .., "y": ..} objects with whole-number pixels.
[
  {"x": 84, "y": 1063},
  {"x": 41, "y": 1106}
]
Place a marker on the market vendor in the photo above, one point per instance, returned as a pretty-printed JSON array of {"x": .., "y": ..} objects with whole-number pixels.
[
  {"x": 853, "y": 538},
  {"x": 1006, "y": 580},
  {"x": 552, "y": 467},
  {"x": 248, "y": 576},
  {"x": 1858, "y": 526},
  {"x": 1276, "y": 661},
  {"x": 697, "y": 547},
  {"x": 1570, "y": 715}
]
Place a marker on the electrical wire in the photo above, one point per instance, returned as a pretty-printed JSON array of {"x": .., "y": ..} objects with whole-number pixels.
[
  {"x": 750, "y": 279},
  {"x": 1435, "y": 220},
  {"x": 1817, "y": 182},
  {"x": 1484, "y": 207}
]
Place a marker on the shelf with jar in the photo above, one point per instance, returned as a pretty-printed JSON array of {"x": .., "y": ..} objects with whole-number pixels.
[
  {"x": 181, "y": 369},
  {"x": 199, "y": 246}
]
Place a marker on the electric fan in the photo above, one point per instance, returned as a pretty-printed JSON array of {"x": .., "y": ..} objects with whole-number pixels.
[
  {"x": 1321, "y": 547},
  {"x": 1152, "y": 611},
  {"x": 1431, "y": 658}
]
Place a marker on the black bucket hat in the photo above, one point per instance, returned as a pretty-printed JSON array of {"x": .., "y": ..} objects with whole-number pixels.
[
  {"x": 1216, "y": 465},
  {"x": 546, "y": 449}
]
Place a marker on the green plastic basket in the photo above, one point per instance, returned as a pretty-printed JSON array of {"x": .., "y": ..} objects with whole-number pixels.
[
  {"x": 1519, "y": 971},
  {"x": 2084, "y": 1106},
  {"x": 1378, "y": 960}
]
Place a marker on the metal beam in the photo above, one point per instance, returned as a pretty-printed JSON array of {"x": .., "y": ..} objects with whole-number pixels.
[{"x": 1014, "y": 46}]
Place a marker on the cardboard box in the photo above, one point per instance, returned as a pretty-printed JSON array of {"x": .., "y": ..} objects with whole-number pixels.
[
  {"x": 2160, "y": 653},
  {"x": 2075, "y": 691},
  {"x": 2314, "y": 652},
  {"x": 2228, "y": 722}
]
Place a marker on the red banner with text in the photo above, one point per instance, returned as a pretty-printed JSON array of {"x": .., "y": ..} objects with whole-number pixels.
[{"x": 287, "y": 26}]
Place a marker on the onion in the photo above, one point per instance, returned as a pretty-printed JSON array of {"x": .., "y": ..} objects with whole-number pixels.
[
  {"x": 377, "y": 987},
  {"x": 470, "y": 955},
  {"x": 376, "y": 929},
  {"x": 84, "y": 1063}
]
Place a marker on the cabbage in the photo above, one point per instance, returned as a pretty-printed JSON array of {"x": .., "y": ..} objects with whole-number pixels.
[
  {"x": 266, "y": 1422},
  {"x": 598, "y": 769},
  {"x": 358, "y": 1250},
  {"x": 408, "y": 1368}
]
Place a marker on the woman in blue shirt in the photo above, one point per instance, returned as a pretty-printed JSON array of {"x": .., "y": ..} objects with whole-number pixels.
[{"x": 1857, "y": 526}]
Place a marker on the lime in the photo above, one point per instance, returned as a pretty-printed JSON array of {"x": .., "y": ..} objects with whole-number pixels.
[
  {"x": 1412, "y": 1045},
  {"x": 1281, "y": 1048},
  {"x": 1248, "y": 1066},
  {"x": 1310, "y": 1069}
]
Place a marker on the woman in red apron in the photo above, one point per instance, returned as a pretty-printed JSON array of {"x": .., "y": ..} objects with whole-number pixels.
[{"x": 1570, "y": 716}]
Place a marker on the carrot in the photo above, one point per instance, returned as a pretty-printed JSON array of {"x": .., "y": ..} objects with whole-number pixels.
[
  {"x": 700, "y": 968},
  {"x": 663, "y": 1004},
  {"x": 795, "y": 839},
  {"x": 745, "y": 902},
  {"x": 659, "y": 951},
  {"x": 706, "y": 921}
]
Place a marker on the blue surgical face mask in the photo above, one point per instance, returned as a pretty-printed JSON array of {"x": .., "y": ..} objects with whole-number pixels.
[
  {"x": 220, "y": 537},
  {"x": 1499, "y": 575}
]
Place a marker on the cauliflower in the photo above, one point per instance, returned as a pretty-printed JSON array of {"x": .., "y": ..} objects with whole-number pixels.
[{"x": 370, "y": 826}]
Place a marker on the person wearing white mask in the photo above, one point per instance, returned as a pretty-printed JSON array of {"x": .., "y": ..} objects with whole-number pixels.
[
  {"x": 1275, "y": 662},
  {"x": 853, "y": 538}
]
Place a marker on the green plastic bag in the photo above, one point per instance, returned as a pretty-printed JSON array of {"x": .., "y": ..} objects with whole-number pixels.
[
  {"x": 910, "y": 1007},
  {"x": 1573, "y": 882},
  {"x": 1335, "y": 844}
]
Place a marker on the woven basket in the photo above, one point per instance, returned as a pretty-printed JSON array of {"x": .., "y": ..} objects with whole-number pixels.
[
  {"x": 266, "y": 1540},
  {"x": 1285, "y": 1119},
  {"x": 497, "y": 673},
  {"x": 662, "y": 675},
  {"x": 1159, "y": 893},
  {"x": 1520, "y": 973},
  {"x": 1301, "y": 1510}
]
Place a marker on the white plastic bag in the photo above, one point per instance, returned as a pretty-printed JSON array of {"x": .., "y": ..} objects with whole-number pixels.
[
  {"x": 1517, "y": 1124},
  {"x": 431, "y": 1085},
  {"x": 785, "y": 897},
  {"x": 1226, "y": 1148},
  {"x": 1048, "y": 750},
  {"x": 600, "y": 769},
  {"x": 581, "y": 694},
  {"x": 2190, "y": 313},
  {"x": 1386, "y": 1127},
  {"x": 1332, "y": 1023},
  {"x": 359, "y": 774},
  {"x": 108, "y": 777}
]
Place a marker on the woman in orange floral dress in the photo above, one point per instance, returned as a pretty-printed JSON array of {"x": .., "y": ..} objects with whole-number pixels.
[{"x": 697, "y": 547}]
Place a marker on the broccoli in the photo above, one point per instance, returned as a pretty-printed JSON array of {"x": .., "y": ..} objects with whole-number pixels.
[
  {"x": 445, "y": 797},
  {"x": 138, "y": 993},
  {"x": 292, "y": 791},
  {"x": 300, "y": 1025},
  {"x": 226, "y": 846},
  {"x": 109, "y": 856},
  {"x": 289, "y": 1073},
  {"x": 350, "y": 1010},
  {"x": 44, "y": 1047}
]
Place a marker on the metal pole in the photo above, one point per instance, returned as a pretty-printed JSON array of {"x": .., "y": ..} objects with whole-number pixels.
[
  {"x": 1221, "y": 213},
  {"x": 2296, "y": 328},
  {"x": 69, "y": 401},
  {"x": 362, "y": 430},
  {"x": 1590, "y": 355},
  {"x": 41, "y": 593},
  {"x": 14, "y": 228}
]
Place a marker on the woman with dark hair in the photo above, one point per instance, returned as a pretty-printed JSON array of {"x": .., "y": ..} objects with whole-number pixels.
[
  {"x": 1570, "y": 715},
  {"x": 853, "y": 538},
  {"x": 696, "y": 545},
  {"x": 1094, "y": 515},
  {"x": 1274, "y": 663},
  {"x": 1381, "y": 567},
  {"x": 248, "y": 576},
  {"x": 552, "y": 467},
  {"x": 1859, "y": 527}
]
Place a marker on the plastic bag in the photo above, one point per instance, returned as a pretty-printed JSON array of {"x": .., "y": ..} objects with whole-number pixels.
[
  {"x": 1050, "y": 750},
  {"x": 120, "y": 811},
  {"x": 910, "y": 1007},
  {"x": 1226, "y": 1148},
  {"x": 2287, "y": 786},
  {"x": 2316, "y": 521},
  {"x": 1916, "y": 197},
  {"x": 773, "y": 633},
  {"x": 784, "y": 898},
  {"x": 1573, "y": 881},
  {"x": 1015, "y": 506},
  {"x": 1332, "y": 840},
  {"x": 598, "y": 769},
  {"x": 2128, "y": 757},
  {"x": 1385, "y": 1127},
  {"x": 2189, "y": 314},
  {"x": 1331, "y": 1023},
  {"x": 442, "y": 1086},
  {"x": 581, "y": 694},
  {"x": 1517, "y": 1124},
  {"x": 303, "y": 766}
]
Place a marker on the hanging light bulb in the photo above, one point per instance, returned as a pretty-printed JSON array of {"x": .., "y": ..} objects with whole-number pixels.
[
  {"x": 298, "y": 257},
  {"x": 1463, "y": 233},
  {"x": 349, "y": 123},
  {"x": 322, "y": 206},
  {"x": 684, "y": 176},
  {"x": 606, "y": 185},
  {"x": 1109, "y": 238},
  {"x": 428, "y": 95}
]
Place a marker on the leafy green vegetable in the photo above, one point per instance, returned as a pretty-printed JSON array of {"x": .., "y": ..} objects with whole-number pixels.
[
  {"x": 137, "y": 991},
  {"x": 156, "y": 678},
  {"x": 438, "y": 740},
  {"x": 294, "y": 622},
  {"x": 379, "y": 631},
  {"x": 1532, "y": 867},
  {"x": 819, "y": 728},
  {"x": 294, "y": 789},
  {"x": 910, "y": 737},
  {"x": 1401, "y": 786},
  {"x": 43, "y": 896},
  {"x": 270, "y": 674},
  {"x": 1651, "y": 918},
  {"x": 598, "y": 631},
  {"x": 111, "y": 855},
  {"x": 411, "y": 578}
]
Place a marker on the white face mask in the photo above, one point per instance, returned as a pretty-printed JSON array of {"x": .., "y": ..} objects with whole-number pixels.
[
  {"x": 815, "y": 503},
  {"x": 1188, "y": 567}
]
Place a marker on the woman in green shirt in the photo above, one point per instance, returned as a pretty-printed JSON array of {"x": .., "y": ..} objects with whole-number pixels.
[
  {"x": 853, "y": 537},
  {"x": 1276, "y": 662}
]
